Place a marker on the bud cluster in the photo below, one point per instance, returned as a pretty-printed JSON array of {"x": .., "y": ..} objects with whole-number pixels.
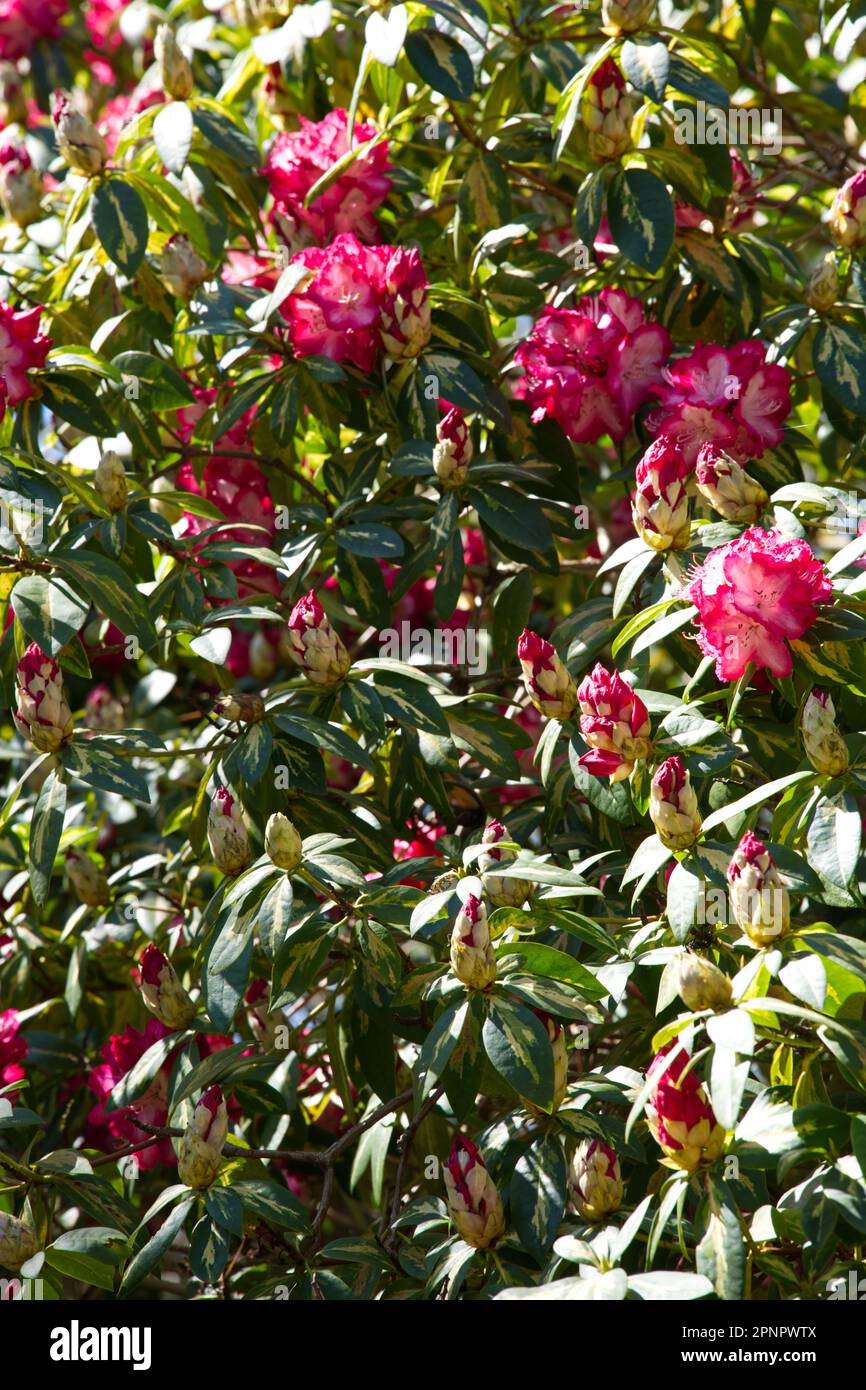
[{"x": 614, "y": 722}]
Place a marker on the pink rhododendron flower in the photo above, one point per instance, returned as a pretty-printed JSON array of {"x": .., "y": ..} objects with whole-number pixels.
[
  {"x": 336, "y": 314},
  {"x": 298, "y": 159},
  {"x": 24, "y": 22},
  {"x": 360, "y": 300},
  {"x": 22, "y": 348},
  {"x": 102, "y": 20},
  {"x": 753, "y": 596},
  {"x": 13, "y": 1049},
  {"x": 116, "y": 1128},
  {"x": 590, "y": 368},
  {"x": 731, "y": 397}
]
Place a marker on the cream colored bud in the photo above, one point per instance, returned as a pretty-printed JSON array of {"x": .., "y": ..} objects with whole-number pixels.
[
  {"x": 18, "y": 1241},
  {"x": 175, "y": 73},
  {"x": 824, "y": 744},
  {"x": 87, "y": 879},
  {"x": 110, "y": 481},
  {"x": 182, "y": 268},
  {"x": 472, "y": 958},
  {"x": 240, "y": 708},
  {"x": 824, "y": 286},
  {"x": 283, "y": 844},
  {"x": 701, "y": 984},
  {"x": 78, "y": 140}
]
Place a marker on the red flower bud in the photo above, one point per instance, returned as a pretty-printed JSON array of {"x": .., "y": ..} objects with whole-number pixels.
[{"x": 614, "y": 722}]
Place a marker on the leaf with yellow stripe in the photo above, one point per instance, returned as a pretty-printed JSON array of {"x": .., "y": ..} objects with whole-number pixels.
[
  {"x": 120, "y": 219},
  {"x": 519, "y": 1049}
]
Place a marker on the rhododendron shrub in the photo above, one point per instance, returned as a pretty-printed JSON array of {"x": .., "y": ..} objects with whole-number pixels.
[{"x": 432, "y": 660}]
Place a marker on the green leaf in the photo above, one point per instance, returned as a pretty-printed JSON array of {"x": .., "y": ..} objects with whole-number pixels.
[
  {"x": 149, "y": 1257},
  {"x": 110, "y": 589},
  {"x": 539, "y": 959},
  {"x": 227, "y": 1064},
  {"x": 646, "y": 66},
  {"x": 272, "y": 1203},
  {"x": 539, "y": 1191},
  {"x": 90, "y": 1255},
  {"x": 172, "y": 135},
  {"x": 120, "y": 219},
  {"x": 839, "y": 358},
  {"x": 410, "y": 702},
  {"x": 49, "y": 611},
  {"x": 208, "y": 1251},
  {"x": 641, "y": 215},
  {"x": 484, "y": 199},
  {"x": 519, "y": 1049},
  {"x": 439, "y": 1046},
  {"x": 721, "y": 1255},
  {"x": 442, "y": 62},
  {"x": 45, "y": 831},
  {"x": 275, "y": 916}
]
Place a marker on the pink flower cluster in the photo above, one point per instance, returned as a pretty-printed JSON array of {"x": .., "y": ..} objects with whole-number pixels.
[
  {"x": 239, "y": 488},
  {"x": 360, "y": 301},
  {"x": 727, "y": 396},
  {"x": 13, "y": 1049},
  {"x": 753, "y": 596},
  {"x": 116, "y": 1128},
  {"x": 298, "y": 159},
  {"x": 24, "y": 22},
  {"x": 590, "y": 368},
  {"x": 22, "y": 348}
]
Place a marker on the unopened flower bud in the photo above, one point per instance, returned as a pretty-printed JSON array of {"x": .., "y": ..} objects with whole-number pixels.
[
  {"x": 679, "y": 1113},
  {"x": 472, "y": 958},
  {"x": 283, "y": 844},
  {"x": 181, "y": 267},
  {"x": 21, "y": 186},
  {"x": 404, "y": 322},
  {"x": 18, "y": 1242},
  {"x": 551, "y": 688},
  {"x": 701, "y": 984},
  {"x": 110, "y": 481},
  {"x": 175, "y": 73},
  {"x": 78, "y": 140},
  {"x": 848, "y": 213},
  {"x": 240, "y": 708},
  {"x": 595, "y": 1180},
  {"x": 263, "y": 657},
  {"x": 660, "y": 506},
  {"x": 673, "y": 805},
  {"x": 824, "y": 286},
  {"x": 824, "y": 744},
  {"x": 607, "y": 111},
  {"x": 227, "y": 834},
  {"x": 452, "y": 452},
  {"x": 42, "y": 714},
  {"x": 614, "y": 722},
  {"x": 502, "y": 892},
  {"x": 559, "y": 1048},
  {"x": 626, "y": 16},
  {"x": 13, "y": 102},
  {"x": 474, "y": 1204},
  {"x": 199, "y": 1152},
  {"x": 87, "y": 879},
  {"x": 759, "y": 898},
  {"x": 315, "y": 646},
  {"x": 103, "y": 711},
  {"x": 162, "y": 992},
  {"x": 729, "y": 489}
]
